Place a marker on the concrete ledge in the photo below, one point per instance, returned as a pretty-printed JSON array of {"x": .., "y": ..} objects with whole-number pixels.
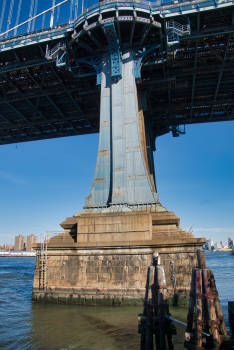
[
  {"x": 85, "y": 299},
  {"x": 114, "y": 299}
]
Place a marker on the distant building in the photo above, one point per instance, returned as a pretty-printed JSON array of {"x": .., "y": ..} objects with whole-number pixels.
[
  {"x": 25, "y": 243},
  {"x": 23, "y": 246},
  {"x": 209, "y": 244},
  {"x": 30, "y": 240},
  {"x": 221, "y": 242},
  {"x": 217, "y": 246},
  {"x": 18, "y": 242}
]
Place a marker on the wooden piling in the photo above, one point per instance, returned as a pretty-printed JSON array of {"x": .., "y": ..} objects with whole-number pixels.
[
  {"x": 219, "y": 312},
  {"x": 211, "y": 307},
  {"x": 162, "y": 300},
  {"x": 198, "y": 306},
  {"x": 201, "y": 259},
  {"x": 191, "y": 303},
  {"x": 205, "y": 326},
  {"x": 149, "y": 310},
  {"x": 152, "y": 321}
]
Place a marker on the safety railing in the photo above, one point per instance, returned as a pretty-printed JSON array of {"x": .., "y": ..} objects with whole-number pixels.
[
  {"x": 188, "y": 229},
  {"x": 148, "y": 3},
  {"x": 180, "y": 29},
  {"x": 52, "y": 53}
]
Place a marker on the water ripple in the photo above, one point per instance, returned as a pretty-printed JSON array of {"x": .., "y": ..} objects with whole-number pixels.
[{"x": 33, "y": 326}]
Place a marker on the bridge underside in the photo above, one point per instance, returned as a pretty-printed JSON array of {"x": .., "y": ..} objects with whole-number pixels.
[{"x": 187, "y": 81}]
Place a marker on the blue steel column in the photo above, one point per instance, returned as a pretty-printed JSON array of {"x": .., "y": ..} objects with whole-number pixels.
[
  {"x": 122, "y": 174},
  {"x": 118, "y": 144},
  {"x": 101, "y": 187},
  {"x": 130, "y": 168}
]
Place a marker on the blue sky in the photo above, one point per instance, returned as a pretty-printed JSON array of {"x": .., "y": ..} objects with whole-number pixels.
[
  {"x": 43, "y": 182},
  {"x": 66, "y": 12}
]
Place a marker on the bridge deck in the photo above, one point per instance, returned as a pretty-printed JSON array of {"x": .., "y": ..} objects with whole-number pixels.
[{"x": 191, "y": 83}]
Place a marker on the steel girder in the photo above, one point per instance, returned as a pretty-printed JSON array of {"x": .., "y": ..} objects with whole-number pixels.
[{"x": 193, "y": 84}]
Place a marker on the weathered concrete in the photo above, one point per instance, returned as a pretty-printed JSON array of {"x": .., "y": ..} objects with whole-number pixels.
[{"x": 102, "y": 258}]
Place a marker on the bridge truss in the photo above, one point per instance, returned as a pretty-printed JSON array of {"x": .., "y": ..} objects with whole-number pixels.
[{"x": 50, "y": 79}]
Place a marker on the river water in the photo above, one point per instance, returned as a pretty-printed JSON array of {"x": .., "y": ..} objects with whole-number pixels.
[{"x": 28, "y": 325}]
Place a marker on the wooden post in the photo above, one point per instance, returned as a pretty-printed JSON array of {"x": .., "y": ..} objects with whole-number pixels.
[
  {"x": 218, "y": 309},
  {"x": 156, "y": 306},
  {"x": 162, "y": 300},
  {"x": 191, "y": 303},
  {"x": 198, "y": 307},
  {"x": 149, "y": 311},
  {"x": 210, "y": 304},
  {"x": 146, "y": 293},
  {"x": 201, "y": 259}
]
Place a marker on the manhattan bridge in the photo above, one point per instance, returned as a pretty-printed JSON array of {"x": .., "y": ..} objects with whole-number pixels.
[{"x": 131, "y": 70}]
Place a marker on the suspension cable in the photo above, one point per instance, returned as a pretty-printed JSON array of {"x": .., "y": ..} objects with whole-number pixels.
[
  {"x": 2, "y": 13},
  {"x": 76, "y": 9},
  {"x": 30, "y": 19},
  {"x": 30, "y": 15},
  {"x": 17, "y": 16},
  {"x": 71, "y": 10},
  {"x": 43, "y": 21},
  {"x": 52, "y": 14},
  {"x": 10, "y": 14},
  {"x": 34, "y": 14},
  {"x": 58, "y": 14}
]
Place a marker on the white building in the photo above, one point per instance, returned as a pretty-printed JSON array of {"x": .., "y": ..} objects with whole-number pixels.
[{"x": 209, "y": 244}]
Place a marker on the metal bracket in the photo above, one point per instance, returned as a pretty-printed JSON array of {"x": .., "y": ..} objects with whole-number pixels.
[
  {"x": 140, "y": 55},
  {"x": 95, "y": 62},
  {"x": 173, "y": 277},
  {"x": 116, "y": 62},
  {"x": 63, "y": 60},
  {"x": 176, "y": 131}
]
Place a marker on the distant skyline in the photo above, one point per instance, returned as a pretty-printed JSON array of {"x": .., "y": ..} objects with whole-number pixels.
[{"x": 43, "y": 182}]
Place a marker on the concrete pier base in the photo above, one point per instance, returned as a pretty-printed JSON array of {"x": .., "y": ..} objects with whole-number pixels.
[{"x": 102, "y": 258}]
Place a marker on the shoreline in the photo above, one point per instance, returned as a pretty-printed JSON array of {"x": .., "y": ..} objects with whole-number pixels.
[{"x": 17, "y": 254}]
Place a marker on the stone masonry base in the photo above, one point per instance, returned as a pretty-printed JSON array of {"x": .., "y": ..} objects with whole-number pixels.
[{"x": 111, "y": 276}]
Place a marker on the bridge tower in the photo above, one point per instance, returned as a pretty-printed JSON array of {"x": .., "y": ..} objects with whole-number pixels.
[{"x": 105, "y": 249}]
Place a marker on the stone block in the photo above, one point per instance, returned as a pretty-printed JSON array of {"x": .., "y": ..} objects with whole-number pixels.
[
  {"x": 106, "y": 237},
  {"x": 82, "y": 238},
  {"x": 80, "y": 221},
  {"x": 105, "y": 269},
  {"x": 109, "y": 228},
  {"x": 94, "y": 238},
  {"x": 92, "y": 269},
  {"x": 100, "y": 220},
  {"x": 91, "y": 229},
  {"x": 92, "y": 276},
  {"x": 89, "y": 221},
  {"x": 82, "y": 229},
  {"x": 100, "y": 228}
]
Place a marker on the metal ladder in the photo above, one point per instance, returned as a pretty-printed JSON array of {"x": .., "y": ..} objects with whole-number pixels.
[{"x": 43, "y": 260}]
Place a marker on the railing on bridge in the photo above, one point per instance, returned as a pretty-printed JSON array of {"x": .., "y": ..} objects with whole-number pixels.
[
  {"x": 53, "y": 52},
  {"x": 179, "y": 29},
  {"x": 31, "y": 19},
  {"x": 188, "y": 229}
]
